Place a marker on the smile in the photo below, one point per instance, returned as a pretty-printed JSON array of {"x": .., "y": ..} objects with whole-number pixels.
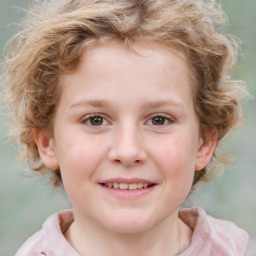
[
  {"x": 128, "y": 189},
  {"x": 127, "y": 186}
]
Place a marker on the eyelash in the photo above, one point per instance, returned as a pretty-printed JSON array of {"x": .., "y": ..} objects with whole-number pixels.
[
  {"x": 90, "y": 117},
  {"x": 166, "y": 118},
  {"x": 162, "y": 117}
]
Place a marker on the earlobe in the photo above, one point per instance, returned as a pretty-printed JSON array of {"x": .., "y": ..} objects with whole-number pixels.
[
  {"x": 206, "y": 150},
  {"x": 46, "y": 148}
]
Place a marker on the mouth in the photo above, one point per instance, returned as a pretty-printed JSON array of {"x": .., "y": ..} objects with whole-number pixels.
[
  {"x": 128, "y": 189},
  {"x": 127, "y": 186}
]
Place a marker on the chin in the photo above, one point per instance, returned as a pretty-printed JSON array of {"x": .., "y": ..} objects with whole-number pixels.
[{"x": 129, "y": 224}]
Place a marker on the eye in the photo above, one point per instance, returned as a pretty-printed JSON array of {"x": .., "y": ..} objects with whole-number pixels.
[
  {"x": 94, "y": 120},
  {"x": 160, "y": 120}
]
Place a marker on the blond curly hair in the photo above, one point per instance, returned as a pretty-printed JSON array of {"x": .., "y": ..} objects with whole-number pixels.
[{"x": 55, "y": 33}]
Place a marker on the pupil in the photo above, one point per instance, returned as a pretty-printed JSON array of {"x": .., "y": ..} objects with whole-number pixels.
[
  {"x": 158, "y": 120},
  {"x": 97, "y": 120}
]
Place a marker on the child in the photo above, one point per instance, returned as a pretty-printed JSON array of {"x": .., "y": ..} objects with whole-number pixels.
[{"x": 124, "y": 102}]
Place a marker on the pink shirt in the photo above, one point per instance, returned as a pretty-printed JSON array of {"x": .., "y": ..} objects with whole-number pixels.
[{"x": 211, "y": 237}]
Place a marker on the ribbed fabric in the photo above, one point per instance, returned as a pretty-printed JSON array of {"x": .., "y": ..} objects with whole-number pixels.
[{"x": 211, "y": 237}]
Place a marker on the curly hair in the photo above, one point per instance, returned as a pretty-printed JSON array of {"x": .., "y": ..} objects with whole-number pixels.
[{"x": 55, "y": 33}]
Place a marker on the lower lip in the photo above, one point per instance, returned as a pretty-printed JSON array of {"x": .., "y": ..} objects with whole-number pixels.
[{"x": 128, "y": 194}]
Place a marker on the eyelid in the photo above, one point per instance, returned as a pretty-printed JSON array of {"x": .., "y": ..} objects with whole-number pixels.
[
  {"x": 86, "y": 118},
  {"x": 166, "y": 116}
]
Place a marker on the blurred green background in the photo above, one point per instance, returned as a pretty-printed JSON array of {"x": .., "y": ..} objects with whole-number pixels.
[{"x": 26, "y": 202}]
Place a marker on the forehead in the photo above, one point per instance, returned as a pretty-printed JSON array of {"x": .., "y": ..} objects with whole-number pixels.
[
  {"x": 143, "y": 54},
  {"x": 115, "y": 66},
  {"x": 154, "y": 53}
]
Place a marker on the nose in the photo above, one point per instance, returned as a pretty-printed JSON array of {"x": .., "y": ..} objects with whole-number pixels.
[{"x": 127, "y": 148}]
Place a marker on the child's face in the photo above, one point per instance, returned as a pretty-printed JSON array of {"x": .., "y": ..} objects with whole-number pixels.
[{"x": 127, "y": 120}]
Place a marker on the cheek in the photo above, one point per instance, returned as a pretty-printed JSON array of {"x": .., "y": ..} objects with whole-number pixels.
[
  {"x": 179, "y": 148},
  {"x": 176, "y": 157},
  {"x": 79, "y": 156},
  {"x": 78, "y": 164}
]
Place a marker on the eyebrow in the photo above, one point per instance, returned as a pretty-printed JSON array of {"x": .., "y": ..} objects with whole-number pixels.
[
  {"x": 149, "y": 104},
  {"x": 93, "y": 103},
  {"x": 161, "y": 103}
]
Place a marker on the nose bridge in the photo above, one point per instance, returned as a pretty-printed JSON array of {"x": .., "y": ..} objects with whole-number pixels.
[{"x": 127, "y": 147}]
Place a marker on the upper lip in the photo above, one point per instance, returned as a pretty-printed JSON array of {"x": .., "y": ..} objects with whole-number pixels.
[{"x": 127, "y": 181}]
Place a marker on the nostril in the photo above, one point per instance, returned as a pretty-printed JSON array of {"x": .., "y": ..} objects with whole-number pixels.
[{"x": 127, "y": 158}]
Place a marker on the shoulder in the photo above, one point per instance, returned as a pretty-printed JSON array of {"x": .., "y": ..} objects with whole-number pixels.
[
  {"x": 33, "y": 246},
  {"x": 49, "y": 241},
  {"x": 213, "y": 236}
]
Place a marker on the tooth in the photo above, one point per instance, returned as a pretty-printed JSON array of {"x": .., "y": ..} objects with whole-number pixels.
[
  {"x": 110, "y": 185},
  {"x": 133, "y": 186},
  {"x": 145, "y": 185},
  {"x": 123, "y": 186},
  {"x": 115, "y": 185},
  {"x": 140, "y": 185}
]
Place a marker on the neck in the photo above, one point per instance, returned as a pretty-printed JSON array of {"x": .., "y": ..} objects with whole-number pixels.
[{"x": 168, "y": 238}]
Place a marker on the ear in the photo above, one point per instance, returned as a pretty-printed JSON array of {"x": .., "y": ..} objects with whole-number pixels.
[
  {"x": 206, "y": 149},
  {"x": 46, "y": 148}
]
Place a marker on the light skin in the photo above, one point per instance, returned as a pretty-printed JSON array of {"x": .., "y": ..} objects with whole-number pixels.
[{"x": 127, "y": 118}]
